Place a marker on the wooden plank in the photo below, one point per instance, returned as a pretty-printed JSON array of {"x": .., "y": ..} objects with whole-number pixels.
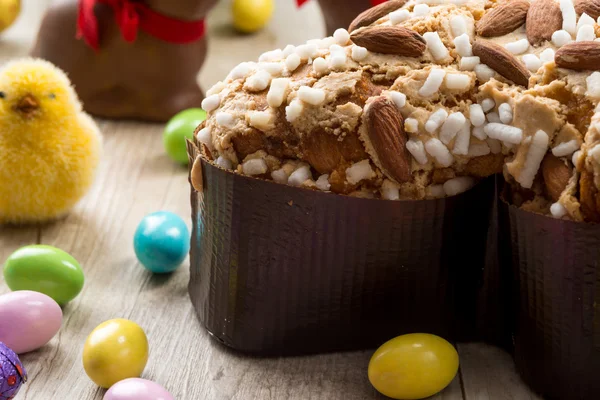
[
  {"x": 15, "y": 43},
  {"x": 489, "y": 374},
  {"x": 11, "y": 238},
  {"x": 135, "y": 178}
]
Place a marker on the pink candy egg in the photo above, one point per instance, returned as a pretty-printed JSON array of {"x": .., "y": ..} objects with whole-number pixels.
[
  {"x": 28, "y": 320},
  {"x": 137, "y": 389}
]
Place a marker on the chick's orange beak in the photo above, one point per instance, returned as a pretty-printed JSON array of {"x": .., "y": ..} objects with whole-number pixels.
[{"x": 27, "y": 105}]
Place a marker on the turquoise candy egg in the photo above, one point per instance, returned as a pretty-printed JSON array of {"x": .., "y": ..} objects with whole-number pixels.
[{"x": 161, "y": 242}]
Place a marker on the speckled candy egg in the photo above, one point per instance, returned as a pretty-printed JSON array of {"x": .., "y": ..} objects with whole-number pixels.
[
  {"x": 12, "y": 373},
  {"x": 137, "y": 389},
  {"x": 162, "y": 241},
  {"x": 28, "y": 320},
  {"x": 44, "y": 269}
]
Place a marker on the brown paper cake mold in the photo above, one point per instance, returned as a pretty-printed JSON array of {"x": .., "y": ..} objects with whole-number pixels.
[
  {"x": 556, "y": 297},
  {"x": 132, "y": 74},
  {"x": 277, "y": 269}
]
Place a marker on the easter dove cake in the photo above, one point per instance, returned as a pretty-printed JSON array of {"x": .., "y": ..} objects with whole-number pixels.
[{"x": 420, "y": 99}]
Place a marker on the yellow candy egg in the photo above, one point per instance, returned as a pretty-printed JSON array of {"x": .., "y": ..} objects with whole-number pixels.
[
  {"x": 413, "y": 366},
  {"x": 9, "y": 11},
  {"x": 251, "y": 15},
  {"x": 117, "y": 349}
]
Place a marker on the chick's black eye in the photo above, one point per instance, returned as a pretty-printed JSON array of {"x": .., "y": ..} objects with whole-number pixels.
[
  {"x": 52, "y": 96},
  {"x": 2, "y": 95}
]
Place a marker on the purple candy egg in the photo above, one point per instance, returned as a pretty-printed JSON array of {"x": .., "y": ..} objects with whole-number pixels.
[{"x": 12, "y": 373}]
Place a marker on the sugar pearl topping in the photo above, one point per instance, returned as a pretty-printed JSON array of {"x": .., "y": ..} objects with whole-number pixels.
[
  {"x": 420, "y": 10},
  {"x": 505, "y": 133},
  {"x": 359, "y": 53},
  {"x": 518, "y": 47},
  {"x": 323, "y": 182},
  {"x": 537, "y": 150},
  {"x": 292, "y": 61},
  {"x": 462, "y": 44},
  {"x": 458, "y": 185},
  {"x": 593, "y": 85},
  {"x": 505, "y": 113},
  {"x": 586, "y": 33},
  {"x": 433, "y": 82},
  {"x": 440, "y": 152},
  {"x": 451, "y": 126},
  {"x": 458, "y": 25},
  {"x": 311, "y": 96},
  {"x": 566, "y": 148},
  {"x": 487, "y": 104},
  {"x": 436, "y": 120},
  {"x": 293, "y": 110},
  {"x": 484, "y": 73},
  {"x": 558, "y": 210},
  {"x": 254, "y": 167},
  {"x": 398, "y": 98},
  {"x": 306, "y": 51},
  {"x": 211, "y": 103},
  {"x": 262, "y": 120},
  {"x": 469, "y": 63},
  {"x": 320, "y": 66},
  {"x": 399, "y": 16},
  {"x": 411, "y": 125},
  {"x": 417, "y": 149},
  {"x": 258, "y": 81},
  {"x": 390, "y": 190},
  {"x": 359, "y": 171},
  {"x": 561, "y": 37},
  {"x": 476, "y": 115},
  {"x": 569, "y": 16},
  {"x": 225, "y": 119},
  {"x": 479, "y": 132},
  {"x": 299, "y": 176},
  {"x": 463, "y": 138},
  {"x": 205, "y": 137},
  {"x": 458, "y": 81},
  {"x": 341, "y": 36},
  {"x": 435, "y": 45}
]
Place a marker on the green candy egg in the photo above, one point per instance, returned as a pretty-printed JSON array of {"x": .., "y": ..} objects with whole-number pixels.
[
  {"x": 44, "y": 269},
  {"x": 179, "y": 128}
]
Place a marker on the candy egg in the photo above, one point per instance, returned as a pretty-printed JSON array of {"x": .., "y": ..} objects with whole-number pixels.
[
  {"x": 137, "y": 389},
  {"x": 12, "y": 373},
  {"x": 179, "y": 128},
  {"x": 28, "y": 320},
  {"x": 251, "y": 15},
  {"x": 161, "y": 241},
  {"x": 117, "y": 349},
  {"x": 44, "y": 269},
  {"x": 413, "y": 366}
]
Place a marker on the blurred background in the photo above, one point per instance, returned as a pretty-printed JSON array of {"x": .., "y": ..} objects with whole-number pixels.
[{"x": 228, "y": 47}]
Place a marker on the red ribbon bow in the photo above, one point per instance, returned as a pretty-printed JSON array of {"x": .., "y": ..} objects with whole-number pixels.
[
  {"x": 373, "y": 2},
  {"x": 132, "y": 15}
]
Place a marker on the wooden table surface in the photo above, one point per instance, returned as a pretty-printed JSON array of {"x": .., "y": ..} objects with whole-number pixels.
[{"x": 137, "y": 178}]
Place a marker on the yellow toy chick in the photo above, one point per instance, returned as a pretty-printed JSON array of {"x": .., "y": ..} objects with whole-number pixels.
[{"x": 49, "y": 148}]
